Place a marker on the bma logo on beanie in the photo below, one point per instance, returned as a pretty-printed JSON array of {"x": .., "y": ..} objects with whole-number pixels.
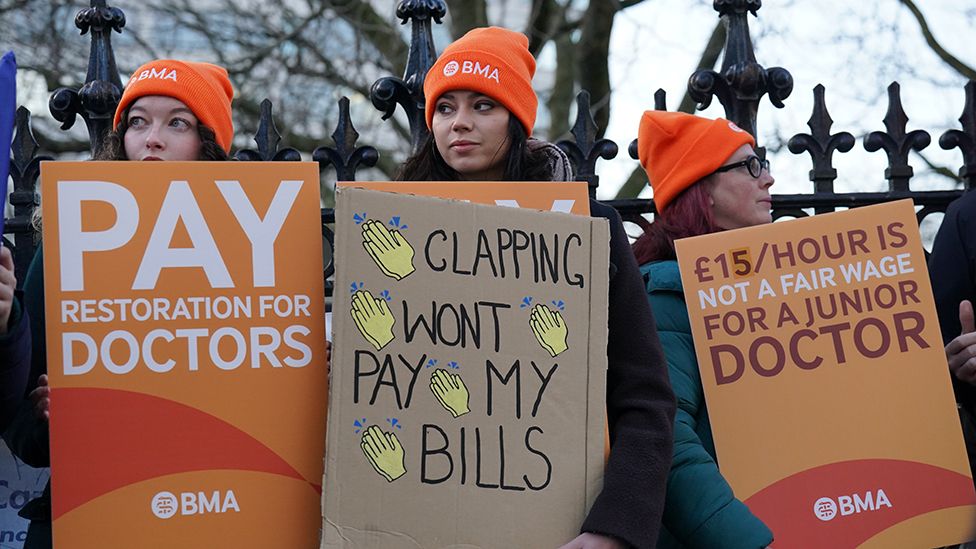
[
  {"x": 162, "y": 74},
  {"x": 471, "y": 67},
  {"x": 735, "y": 128}
]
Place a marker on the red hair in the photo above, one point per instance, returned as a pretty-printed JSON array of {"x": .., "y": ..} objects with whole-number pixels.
[{"x": 689, "y": 214}]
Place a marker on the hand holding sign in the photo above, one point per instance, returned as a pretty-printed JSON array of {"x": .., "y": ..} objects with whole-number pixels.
[
  {"x": 450, "y": 392},
  {"x": 373, "y": 318},
  {"x": 961, "y": 351},
  {"x": 40, "y": 397},
  {"x": 549, "y": 329},
  {"x": 391, "y": 252},
  {"x": 8, "y": 283},
  {"x": 384, "y": 453}
]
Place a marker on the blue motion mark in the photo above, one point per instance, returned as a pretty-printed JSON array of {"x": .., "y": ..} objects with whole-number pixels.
[
  {"x": 526, "y": 302},
  {"x": 359, "y": 218},
  {"x": 395, "y": 223},
  {"x": 359, "y": 424}
]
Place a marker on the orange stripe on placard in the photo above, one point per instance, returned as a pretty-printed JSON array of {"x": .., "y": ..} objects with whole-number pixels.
[
  {"x": 856, "y": 500},
  {"x": 111, "y": 419}
]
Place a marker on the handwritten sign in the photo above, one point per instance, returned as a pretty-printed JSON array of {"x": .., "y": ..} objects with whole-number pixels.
[
  {"x": 826, "y": 381},
  {"x": 468, "y": 373}
]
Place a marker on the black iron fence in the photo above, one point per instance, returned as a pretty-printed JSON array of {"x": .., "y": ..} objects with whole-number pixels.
[{"x": 738, "y": 85}]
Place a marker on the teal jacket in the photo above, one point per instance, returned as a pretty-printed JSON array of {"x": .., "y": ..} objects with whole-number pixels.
[{"x": 700, "y": 510}]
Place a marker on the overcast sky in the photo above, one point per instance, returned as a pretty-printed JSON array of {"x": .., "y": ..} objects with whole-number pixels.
[{"x": 854, "y": 48}]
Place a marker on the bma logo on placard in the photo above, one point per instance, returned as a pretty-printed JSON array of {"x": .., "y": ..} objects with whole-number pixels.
[
  {"x": 165, "y": 504},
  {"x": 827, "y": 509}
]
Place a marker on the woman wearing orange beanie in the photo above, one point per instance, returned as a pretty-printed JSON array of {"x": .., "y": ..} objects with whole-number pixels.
[
  {"x": 173, "y": 110},
  {"x": 170, "y": 110},
  {"x": 706, "y": 178},
  {"x": 481, "y": 108}
]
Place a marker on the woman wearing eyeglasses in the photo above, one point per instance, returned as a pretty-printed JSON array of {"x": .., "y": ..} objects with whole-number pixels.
[{"x": 706, "y": 178}]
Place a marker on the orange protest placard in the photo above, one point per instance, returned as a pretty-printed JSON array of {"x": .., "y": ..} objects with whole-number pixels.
[
  {"x": 826, "y": 381},
  {"x": 566, "y": 197},
  {"x": 186, "y": 351}
]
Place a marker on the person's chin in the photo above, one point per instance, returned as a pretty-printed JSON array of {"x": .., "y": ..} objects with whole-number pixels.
[{"x": 466, "y": 168}]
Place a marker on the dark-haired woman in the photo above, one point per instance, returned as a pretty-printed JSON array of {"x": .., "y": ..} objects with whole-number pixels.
[
  {"x": 706, "y": 178},
  {"x": 170, "y": 110},
  {"x": 481, "y": 109}
]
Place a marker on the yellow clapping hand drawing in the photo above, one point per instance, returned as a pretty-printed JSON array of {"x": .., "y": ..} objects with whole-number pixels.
[
  {"x": 391, "y": 252},
  {"x": 549, "y": 329},
  {"x": 450, "y": 391},
  {"x": 384, "y": 453},
  {"x": 373, "y": 318}
]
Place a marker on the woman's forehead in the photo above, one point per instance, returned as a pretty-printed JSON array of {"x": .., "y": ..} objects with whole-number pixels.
[
  {"x": 159, "y": 102},
  {"x": 463, "y": 94},
  {"x": 742, "y": 153}
]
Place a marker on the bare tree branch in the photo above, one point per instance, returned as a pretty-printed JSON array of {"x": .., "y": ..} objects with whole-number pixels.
[
  {"x": 466, "y": 15},
  {"x": 13, "y": 5},
  {"x": 548, "y": 16},
  {"x": 624, "y": 4},
  {"x": 593, "y": 66},
  {"x": 963, "y": 69},
  {"x": 941, "y": 170},
  {"x": 377, "y": 30},
  {"x": 57, "y": 144},
  {"x": 563, "y": 89},
  {"x": 709, "y": 59}
]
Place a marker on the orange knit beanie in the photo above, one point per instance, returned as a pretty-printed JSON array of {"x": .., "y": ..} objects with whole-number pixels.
[
  {"x": 492, "y": 61},
  {"x": 678, "y": 149},
  {"x": 203, "y": 87}
]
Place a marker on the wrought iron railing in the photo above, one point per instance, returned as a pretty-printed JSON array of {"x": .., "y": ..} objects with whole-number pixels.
[{"x": 739, "y": 85}]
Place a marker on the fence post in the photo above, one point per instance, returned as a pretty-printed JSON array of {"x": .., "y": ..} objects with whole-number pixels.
[
  {"x": 897, "y": 142},
  {"x": 742, "y": 81},
  {"x": 408, "y": 92},
  {"x": 25, "y": 168},
  {"x": 96, "y": 100},
  {"x": 965, "y": 139}
]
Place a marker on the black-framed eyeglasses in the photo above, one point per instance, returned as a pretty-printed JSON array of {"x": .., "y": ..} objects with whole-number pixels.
[{"x": 753, "y": 163}]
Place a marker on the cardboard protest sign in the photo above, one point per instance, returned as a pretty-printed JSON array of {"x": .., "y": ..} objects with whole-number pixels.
[
  {"x": 186, "y": 349},
  {"x": 826, "y": 380},
  {"x": 562, "y": 196},
  {"x": 21, "y": 484},
  {"x": 468, "y": 373}
]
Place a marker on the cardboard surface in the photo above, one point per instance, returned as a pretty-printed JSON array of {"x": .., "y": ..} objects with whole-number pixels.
[
  {"x": 185, "y": 342},
  {"x": 826, "y": 380},
  {"x": 451, "y": 418},
  {"x": 555, "y": 196}
]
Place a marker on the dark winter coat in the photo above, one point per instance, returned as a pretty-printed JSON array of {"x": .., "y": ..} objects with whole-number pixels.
[{"x": 700, "y": 510}]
